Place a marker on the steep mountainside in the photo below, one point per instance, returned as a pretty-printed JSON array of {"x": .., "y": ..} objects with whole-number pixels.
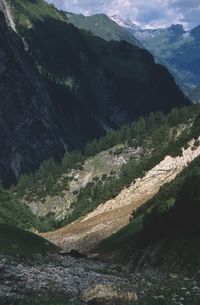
[
  {"x": 71, "y": 86},
  {"x": 29, "y": 129},
  {"x": 101, "y": 25}
]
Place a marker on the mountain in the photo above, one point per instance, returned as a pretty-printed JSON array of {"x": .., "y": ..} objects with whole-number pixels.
[
  {"x": 61, "y": 87},
  {"x": 126, "y": 23},
  {"x": 176, "y": 48},
  {"x": 101, "y": 25},
  {"x": 179, "y": 50},
  {"x": 29, "y": 129},
  {"x": 173, "y": 47},
  {"x": 116, "y": 220}
]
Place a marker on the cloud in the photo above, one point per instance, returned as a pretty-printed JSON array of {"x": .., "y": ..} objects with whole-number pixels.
[{"x": 152, "y": 13}]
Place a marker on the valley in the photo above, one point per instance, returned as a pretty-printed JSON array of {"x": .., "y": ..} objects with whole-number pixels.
[
  {"x": 99, "y": 159},
  {"x": 100, "y": 86},
  {"x": 114, "y": 265}
]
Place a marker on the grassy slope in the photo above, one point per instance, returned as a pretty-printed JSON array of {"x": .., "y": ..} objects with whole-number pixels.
[
  {"x": 22, "y": 244},
  {"x": 25, "y": 11},
  {"x": 102, "y": 26}
]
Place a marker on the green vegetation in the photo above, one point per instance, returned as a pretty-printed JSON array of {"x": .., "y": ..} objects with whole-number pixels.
[
  {"x": 14, "y": 212},
  {"x": 26, "y": 12},
  {"x": 94, "y": 194},
  {"x": 158, "y": 135},
  {"x": 22, "y": 244},
  {"x": 45, "y": 181},
  {"x": 101, "y": 25},
  {"x": 171, "y": 218}
]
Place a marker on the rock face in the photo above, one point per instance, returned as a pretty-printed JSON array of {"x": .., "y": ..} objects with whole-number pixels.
[
  {"x": 111, "y": 216},
  {"x": 29, "y": 131},
  {"x": 93, "y": 168},
  {"x": 7, "y": 13},
  {"x": 102, "y": 293}
]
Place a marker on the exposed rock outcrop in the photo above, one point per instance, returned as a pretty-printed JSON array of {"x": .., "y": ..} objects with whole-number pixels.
[
  {"x": 94, "y": 168},
  {"x": 4, "y": 7},
  {"x": 68, "y": 277},
  {"x": 103, "y": 293},
  {"x": 111, "y": 216},
  {"x": 29, "y": 130}
]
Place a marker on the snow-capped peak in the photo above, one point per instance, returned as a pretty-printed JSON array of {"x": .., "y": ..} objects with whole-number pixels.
[
  {"x": 128, "y": 23},
  {"x": 118, "y": 19}
]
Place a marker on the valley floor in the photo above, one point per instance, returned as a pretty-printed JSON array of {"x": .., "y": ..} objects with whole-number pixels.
[{"x": 66, "y": 280}]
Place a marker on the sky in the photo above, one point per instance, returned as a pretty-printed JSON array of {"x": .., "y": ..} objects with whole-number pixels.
[{"x": 146, "y": 13}]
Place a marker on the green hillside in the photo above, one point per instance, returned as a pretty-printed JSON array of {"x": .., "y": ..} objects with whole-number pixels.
[
  {"x": 101, "y": 25},
  {"x": 23, "y": 244},
  {"x": 156, "y": 135}
]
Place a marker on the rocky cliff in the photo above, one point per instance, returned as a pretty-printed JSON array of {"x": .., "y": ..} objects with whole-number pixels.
[{"x": 29, "y": 130}]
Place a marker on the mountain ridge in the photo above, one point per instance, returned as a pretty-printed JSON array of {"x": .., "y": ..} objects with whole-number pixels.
[
  {"x": 162, "y": 42},
  {"x": 173, "y": 46}
]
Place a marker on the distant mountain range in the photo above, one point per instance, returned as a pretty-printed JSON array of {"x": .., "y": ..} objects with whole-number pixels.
[{"x": 177, "y": 49}]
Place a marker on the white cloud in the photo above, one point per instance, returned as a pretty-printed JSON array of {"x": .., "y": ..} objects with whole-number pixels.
[{"x": 151, "y": 13}]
